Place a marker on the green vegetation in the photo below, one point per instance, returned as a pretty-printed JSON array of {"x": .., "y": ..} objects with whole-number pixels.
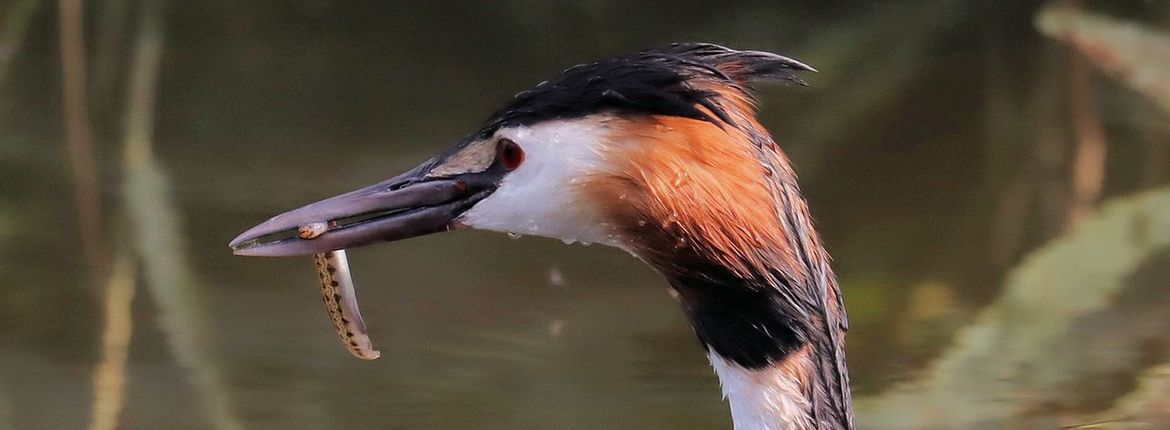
[{"x": 1023, "y": 353}]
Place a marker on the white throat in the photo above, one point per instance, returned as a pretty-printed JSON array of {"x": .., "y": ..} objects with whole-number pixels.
[{"x": 764, "y": 399}]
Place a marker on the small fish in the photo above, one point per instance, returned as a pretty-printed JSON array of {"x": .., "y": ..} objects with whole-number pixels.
[{"x": 340, "y": 299}]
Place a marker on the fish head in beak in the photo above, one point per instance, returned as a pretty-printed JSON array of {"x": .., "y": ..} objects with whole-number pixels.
[{"x": 427, "y": 199}]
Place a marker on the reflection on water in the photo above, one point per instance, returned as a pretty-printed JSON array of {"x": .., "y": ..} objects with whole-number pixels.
[{"x": 941, "y": 145}]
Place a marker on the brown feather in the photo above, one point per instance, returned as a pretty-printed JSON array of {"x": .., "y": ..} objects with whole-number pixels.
[{"x": 686, "y": 193}]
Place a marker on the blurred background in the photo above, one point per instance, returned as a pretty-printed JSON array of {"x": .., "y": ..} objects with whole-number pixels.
[{"x": 990, "y": 176}]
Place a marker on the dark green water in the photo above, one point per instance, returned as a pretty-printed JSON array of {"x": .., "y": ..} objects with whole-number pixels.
[{"x": 913, "y": 144}]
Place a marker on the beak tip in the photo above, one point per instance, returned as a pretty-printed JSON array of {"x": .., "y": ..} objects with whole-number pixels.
[
  {"x": 247, "y": 241},
  {"x": 242, "y": 252},
  {"x": 253, "y": 251},
  {"x": 239, "y": 245},
  {"x": 235, "y": 243}
]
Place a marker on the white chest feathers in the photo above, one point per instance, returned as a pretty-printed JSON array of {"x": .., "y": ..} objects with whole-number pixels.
[{"x": 764, "y": 399}]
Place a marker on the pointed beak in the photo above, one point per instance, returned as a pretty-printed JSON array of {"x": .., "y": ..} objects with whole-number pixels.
[{"x": 408, "y": 205}]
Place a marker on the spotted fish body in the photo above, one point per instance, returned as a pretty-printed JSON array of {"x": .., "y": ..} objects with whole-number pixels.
[{"x": 337, "y": 291}]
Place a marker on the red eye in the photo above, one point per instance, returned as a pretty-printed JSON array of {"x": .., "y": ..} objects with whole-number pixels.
[{"x": 510, "y": 154}]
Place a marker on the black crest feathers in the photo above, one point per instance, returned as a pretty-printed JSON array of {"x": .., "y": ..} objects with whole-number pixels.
[{"x": 658, "y": 81}]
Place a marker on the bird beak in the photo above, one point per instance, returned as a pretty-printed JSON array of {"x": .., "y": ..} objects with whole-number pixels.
[{"x": 408, "y": 205}]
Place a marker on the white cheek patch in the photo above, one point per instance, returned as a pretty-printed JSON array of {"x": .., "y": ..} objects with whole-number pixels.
[{"x": 540, "y": 197}]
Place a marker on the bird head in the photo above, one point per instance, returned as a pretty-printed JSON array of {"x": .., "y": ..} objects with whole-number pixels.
[
  {"x": 658, "y": 153},
  {"x": 649, "y": 152}
]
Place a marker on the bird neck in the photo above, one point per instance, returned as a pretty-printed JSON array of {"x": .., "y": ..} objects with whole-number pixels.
[
  {"x": 764, "y": 302},
  {"x": 773, "y": 397},
  {"x": 717, "y": 210},
  {"x": 780, "y": 366}
]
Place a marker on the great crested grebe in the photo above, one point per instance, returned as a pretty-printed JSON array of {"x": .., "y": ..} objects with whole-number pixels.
[{"x": 657, "y": 153}]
